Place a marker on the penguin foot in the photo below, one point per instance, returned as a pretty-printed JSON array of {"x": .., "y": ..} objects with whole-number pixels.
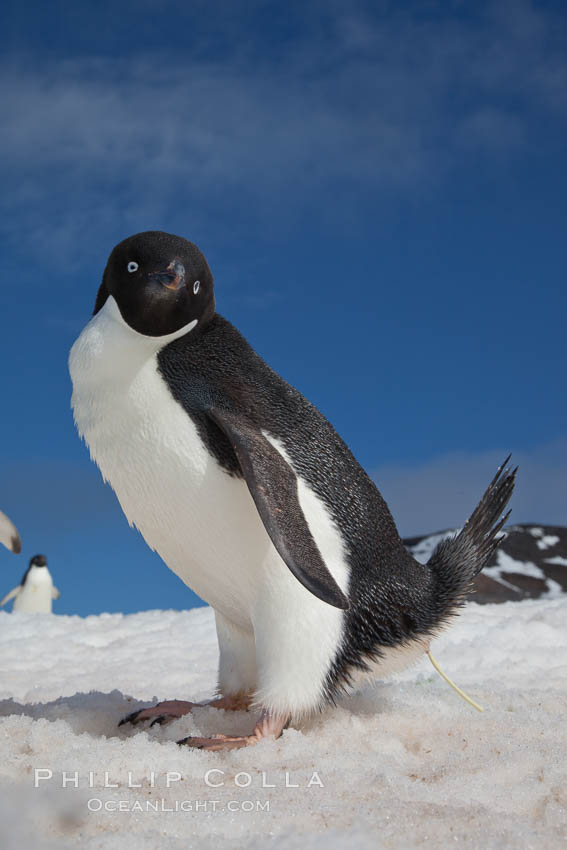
[
  {"x": 161, "y": 713},
  {"x": 219, "y": 742},
  {"x": 268, "y": 726},
  {"x": 165, "y": 712}
]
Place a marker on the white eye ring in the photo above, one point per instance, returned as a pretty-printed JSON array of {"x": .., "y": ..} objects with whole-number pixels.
[
  {"x": 196, "y": 286},
  {"x": 132, "y": 267}
]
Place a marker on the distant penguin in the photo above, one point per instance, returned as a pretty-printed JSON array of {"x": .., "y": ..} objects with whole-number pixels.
[
  {"x": 251, "y": 497},
  {"x": 34, "y": 594},
  {"x": 9, "y": 536}
]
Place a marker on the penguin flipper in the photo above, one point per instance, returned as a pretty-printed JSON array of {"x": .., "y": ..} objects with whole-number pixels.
[
  {"x": 55, "y": 594},
  {"x": 11, "y": 595},
  {"x": 273, "y": 486},
  {"x": 9, "y": 535}
]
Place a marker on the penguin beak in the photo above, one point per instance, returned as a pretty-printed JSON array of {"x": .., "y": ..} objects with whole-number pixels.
[{"x": 173, "y": 277}]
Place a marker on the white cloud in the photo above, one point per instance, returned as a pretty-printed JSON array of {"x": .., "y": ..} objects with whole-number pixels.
[
  {"x": 366, "y": 100},
  {"x": 443, "y": 492}
]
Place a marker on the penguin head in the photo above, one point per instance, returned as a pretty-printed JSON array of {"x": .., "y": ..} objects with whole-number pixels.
[
  {"x": 160, "y": 282},
  {"x": 38, "y": 561}
]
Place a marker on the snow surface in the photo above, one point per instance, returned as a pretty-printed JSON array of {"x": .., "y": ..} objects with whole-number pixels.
[
  {"x": 557, "y": 559},
  {"x": 405, "y": 764},
  {"x": 423, "y": 550},
  {"x": 545, "y": 541},
  {"x": 508, "y": 565}
]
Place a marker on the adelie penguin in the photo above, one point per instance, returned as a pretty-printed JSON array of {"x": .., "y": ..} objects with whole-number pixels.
[
  {"x": 34, "y": 593},
  {"x": 251, "y": 497}
]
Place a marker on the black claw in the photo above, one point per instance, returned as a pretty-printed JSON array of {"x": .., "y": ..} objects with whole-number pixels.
[
  {"x": 187, "y": 742},
  {"x": 131, "y": 718}
]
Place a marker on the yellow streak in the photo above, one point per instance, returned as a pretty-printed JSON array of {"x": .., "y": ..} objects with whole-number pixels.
[{"x": 453, "y": 685}]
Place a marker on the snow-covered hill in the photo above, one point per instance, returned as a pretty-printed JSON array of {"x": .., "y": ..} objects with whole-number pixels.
[
  {"x": 530, "y": 563},
  {"x": 404, "y": 764}
]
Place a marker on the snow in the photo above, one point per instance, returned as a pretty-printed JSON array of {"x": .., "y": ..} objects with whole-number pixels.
[
  {"x": 401, "y": 765},
  {"x": 545, "y": 541},
  {"x": 557, "y": 559},
  {"x": 508, "y": 565},
  {"x": 423, "y": 550}
]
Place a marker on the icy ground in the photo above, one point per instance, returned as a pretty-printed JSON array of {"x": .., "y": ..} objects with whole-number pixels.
[{"x": 405, "y": 764}]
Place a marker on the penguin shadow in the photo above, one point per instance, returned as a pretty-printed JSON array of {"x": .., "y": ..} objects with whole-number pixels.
[
  {"x": 372, "y": 698},
  {"x": 99, "y": 714}
]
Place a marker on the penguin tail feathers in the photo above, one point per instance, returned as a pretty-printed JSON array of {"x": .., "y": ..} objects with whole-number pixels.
[{"x": 456, "y": 561}]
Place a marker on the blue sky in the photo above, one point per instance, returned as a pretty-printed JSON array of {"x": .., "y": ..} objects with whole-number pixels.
[{"x": 381, "y": 192}]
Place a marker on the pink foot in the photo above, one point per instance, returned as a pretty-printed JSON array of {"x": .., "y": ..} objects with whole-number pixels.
[
  {"x": 165, "y": 712},
  {"x": 219, "y": 742},
  {"x": 268, "y": 726}
]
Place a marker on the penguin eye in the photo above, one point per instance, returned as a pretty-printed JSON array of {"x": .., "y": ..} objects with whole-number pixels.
[
  {"x": 196, "y": 287},
  {"x": 132, "y": 267}
]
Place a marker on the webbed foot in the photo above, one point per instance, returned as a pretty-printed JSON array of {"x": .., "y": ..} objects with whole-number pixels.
[
  {"x": 163, "y": 712},
  {"x": 268, "y": 726}
]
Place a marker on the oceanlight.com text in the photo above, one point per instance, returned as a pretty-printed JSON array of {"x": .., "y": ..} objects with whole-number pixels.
[{"x": 95, "y": 804}]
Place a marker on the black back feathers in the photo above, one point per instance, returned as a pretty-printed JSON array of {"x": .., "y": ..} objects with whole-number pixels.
[{"x": 456, "y": 561}]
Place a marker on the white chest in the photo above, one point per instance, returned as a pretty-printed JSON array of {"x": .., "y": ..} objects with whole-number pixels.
[
  {"x": 201, "y": 521},
  {"x": 35, "y": 596}
]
